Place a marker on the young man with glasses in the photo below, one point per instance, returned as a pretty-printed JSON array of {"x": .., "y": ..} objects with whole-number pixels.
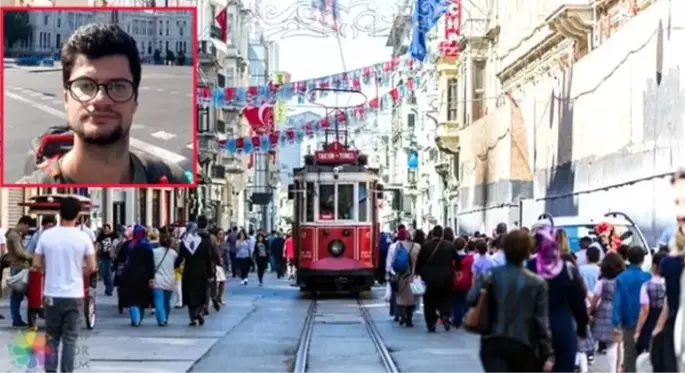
[{"x": 101, "y": 74}]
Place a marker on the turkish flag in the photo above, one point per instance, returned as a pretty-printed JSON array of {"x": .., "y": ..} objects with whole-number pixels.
[
  {"x": 222, "y": 19},
  {"x": 260, "y": 118}
]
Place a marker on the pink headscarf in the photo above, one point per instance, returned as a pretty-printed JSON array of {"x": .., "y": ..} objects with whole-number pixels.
[{"x": 549, "y": 262}]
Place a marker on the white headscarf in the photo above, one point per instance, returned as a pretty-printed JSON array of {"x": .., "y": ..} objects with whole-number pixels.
[{"x": 191, "y": 240}]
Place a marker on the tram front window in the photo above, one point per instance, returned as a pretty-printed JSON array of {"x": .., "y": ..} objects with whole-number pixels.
[
  {"x": 363, "y": 205},
  {"x": 346, "y": 202},
  {"x": 326, "y": 202}
]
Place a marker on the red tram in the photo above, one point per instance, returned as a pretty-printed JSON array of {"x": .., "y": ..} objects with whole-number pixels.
[{"x": 335, "y": 227}]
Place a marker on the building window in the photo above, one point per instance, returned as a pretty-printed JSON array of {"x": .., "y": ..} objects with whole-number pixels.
[
  {"x": 46, "y": 19},
  {"x": 167, "y": 28},
  {"x": 452, "y": 94},
  {"x": 478, "y": 101},
  {"x": 142, "y": 205},
  {"x": 161, "y": 28}
]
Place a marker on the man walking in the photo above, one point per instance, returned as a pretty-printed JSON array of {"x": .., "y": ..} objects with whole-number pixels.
[
  {"x": 231, "y": 239},
  {"x": 19, "y": 259},
  {"x": 61, "y": 253}
]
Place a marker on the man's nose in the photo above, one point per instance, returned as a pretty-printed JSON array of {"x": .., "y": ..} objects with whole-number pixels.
[{"x": 101, "y": 97}]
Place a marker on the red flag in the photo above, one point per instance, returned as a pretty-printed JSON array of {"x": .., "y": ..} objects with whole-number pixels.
[
  {"x": 260, "y": 118},
  {"x": 222, "y": 19}
]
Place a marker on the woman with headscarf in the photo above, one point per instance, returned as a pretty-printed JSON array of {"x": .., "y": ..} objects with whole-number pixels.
[
  {"x": 137, "y": 275},
  {"x": 198, "y": 269},
  {"x": 566, "y": 292},
  {"x": 405, "y": 300},
  {"x": 118, "y": 267}
]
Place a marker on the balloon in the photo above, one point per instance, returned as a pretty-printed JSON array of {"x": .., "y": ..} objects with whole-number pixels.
[
  {"x": 189, "y": 176},
  {"x": 247, "y": 148},
  {"x": 413, "y": 161},
  {"x": 231, "y": 146}
]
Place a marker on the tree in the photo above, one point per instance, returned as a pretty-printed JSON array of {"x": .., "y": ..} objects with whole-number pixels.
[{"x": 16, "y": 27}]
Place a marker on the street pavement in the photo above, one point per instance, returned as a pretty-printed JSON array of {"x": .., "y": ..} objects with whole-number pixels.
[
  {"x": 33, "y": 101},
  {"x": 258, "y": 331}
]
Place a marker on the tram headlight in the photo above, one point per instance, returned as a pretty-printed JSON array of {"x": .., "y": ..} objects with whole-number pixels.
[{"x": 336, "y": 247}]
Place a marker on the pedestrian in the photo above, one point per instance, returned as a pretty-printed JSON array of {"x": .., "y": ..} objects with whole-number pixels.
[
  {"x": 224, "y": 250},
  {"x": 602, "y": 307},
  {"x": 277, "y": 247},
  {"x": 137, "y": 277},
  {"x": 568, "y": 316},
  {"x": 581, "y": 256},
  {"x": 61, "y": 253},
  {"x": 289, "y": 255},
  {"x": 198, "y": 269},
  {"x": 261, "y": 257},
  {"x": 232, "y": 238},
  {"x": 272, "y": 259},
  {"x": 435, "y": 264},
  {"x": 243, "y": 256},
  {"x": 406, "y": 250},
  {"x": 652, "y": 299},
  {"x": 482, "y": 262},
  {"x": 164, "y": 257},
  {"x": 47, "y": 222},
  {"x": 392, "y": 273},
  {"x": 518, "y": 337},
  {"x": 104, "y": 244},
  {"x": 627, "y": 303},
  {"x": 19, "y": 260},
  {"x": 252, "y": 238},
  {"x": 463, "y": 282}
]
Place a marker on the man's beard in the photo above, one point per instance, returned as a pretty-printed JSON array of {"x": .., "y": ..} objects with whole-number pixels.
[{"x": 110, "y": 138}]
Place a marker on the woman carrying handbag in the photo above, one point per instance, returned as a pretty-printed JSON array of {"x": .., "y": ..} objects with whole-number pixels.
[{"x": 509, "y": 311}]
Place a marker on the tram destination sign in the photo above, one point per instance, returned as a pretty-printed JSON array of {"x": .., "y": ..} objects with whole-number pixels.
[{"x": 336, "y": 156}]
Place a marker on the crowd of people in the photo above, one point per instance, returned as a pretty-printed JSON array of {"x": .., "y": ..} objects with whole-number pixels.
[
  {"x": 537, "y": 304},
  {"x": 149, "y": 270}
]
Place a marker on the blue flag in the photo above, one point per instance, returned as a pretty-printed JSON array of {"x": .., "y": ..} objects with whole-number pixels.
[{"x": 426, "y": 15}]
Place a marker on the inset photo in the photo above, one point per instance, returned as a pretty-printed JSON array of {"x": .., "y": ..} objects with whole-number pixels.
[{"x": 99, "y": 98}]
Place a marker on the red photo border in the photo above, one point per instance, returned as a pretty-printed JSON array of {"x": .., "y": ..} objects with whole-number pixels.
[{"x": 194, "y": 116}]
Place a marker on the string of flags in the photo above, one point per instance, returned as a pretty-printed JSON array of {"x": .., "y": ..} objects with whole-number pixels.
[
  {"x": 304, "y": 90},
  {"x": 302, "y": 129}
]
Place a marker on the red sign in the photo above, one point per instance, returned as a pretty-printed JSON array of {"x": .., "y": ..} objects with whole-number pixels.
[
  {"x": 449, "y": 47},
  {"x": 330, "y": 157}
]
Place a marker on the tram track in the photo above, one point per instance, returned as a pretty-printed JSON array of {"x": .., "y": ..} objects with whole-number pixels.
[{"x": 324, "y": 321}]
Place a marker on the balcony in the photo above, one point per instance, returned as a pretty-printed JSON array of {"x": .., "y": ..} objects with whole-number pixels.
[
  {"x": 232, "y": 164},
  {"x": 573, "y": 20},
  {"x": 474, "y": 28},
  {"x": 206, "y": 53},
  {"x": 447, "y": 137}
]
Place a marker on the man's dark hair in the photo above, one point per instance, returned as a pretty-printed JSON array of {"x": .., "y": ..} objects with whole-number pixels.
[
  {"x": 459, "y": 243},
  {"x": 48, "y": 219},
  {"x": 234, "y": 229},
  {"x": 106, "y": 225},
  {"x": 501, "y": 228},
  {"x": 656, "y": 259},
  {"x": 25, "y": 220},
  {"x": 448, "y": 234},
  {"x": 251, "y": 232},
  {"x": 481, "y": 246},
  {"x": 592, "y": 254},
  {"x": 612, "y": 265},
  {"x": 69, "y": 208},
  {"x": 437, "y": 232},
  {"x": 202, "y": 222},
  {"x": 636, "y": 255},
  {"x": 98, "y": 40},
  {"x": 517, "y": 246},
  {"x": 585, "y": 242}
]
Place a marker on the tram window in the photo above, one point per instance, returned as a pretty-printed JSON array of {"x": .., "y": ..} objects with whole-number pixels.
[
  {"x": 311, "y": 196},
  {"x": 363, "y": 203},
  {"x": 346, "y": 202},
  {"x": 327, "y": 202}
]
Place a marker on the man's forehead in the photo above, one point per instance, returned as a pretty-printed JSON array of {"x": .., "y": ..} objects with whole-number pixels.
[{"x": 103, "y": 68}]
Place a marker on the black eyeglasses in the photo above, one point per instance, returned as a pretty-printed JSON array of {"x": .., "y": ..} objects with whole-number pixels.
[{"x": 85, "y": 89}]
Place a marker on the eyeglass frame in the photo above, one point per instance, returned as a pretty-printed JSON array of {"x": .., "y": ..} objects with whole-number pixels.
[{"x": 101, "y": 87}]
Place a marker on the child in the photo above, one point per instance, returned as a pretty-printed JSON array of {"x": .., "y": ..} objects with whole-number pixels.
[
  {"x": 652, "y": 298},
  {"x": 602, "y": 308}
]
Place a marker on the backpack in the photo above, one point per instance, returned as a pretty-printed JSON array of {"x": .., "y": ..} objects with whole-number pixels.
[
  {"x": 402, "y": 261},
  {"x": 465, "y": 278}
]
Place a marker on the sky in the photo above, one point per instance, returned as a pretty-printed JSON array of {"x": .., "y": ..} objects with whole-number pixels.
[{"x": 309, "y": 50}]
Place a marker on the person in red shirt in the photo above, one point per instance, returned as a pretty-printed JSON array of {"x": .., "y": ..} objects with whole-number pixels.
[
  {"x": 462, "y": 281},
  {"x": 289, "y": 255}
]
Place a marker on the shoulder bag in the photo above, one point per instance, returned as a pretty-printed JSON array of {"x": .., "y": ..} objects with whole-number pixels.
[{"x": 477, "y": 319}]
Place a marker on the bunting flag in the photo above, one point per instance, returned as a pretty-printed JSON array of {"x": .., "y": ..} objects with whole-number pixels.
[
  {"x": 426, "y": 15},
  {"x": 300, "y": 129},
  {"x": 222, "y": 20},
  {"x": 327, "y": 12},
  {"x": 232, "y": 97}
]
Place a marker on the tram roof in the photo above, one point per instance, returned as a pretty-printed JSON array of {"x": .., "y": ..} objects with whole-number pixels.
[{"x": 342, "y": 168}]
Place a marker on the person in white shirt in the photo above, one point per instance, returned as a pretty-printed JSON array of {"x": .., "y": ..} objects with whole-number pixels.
[
  {"x": 165, "y": 278},
  {"x": 62, "y": 252}
]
